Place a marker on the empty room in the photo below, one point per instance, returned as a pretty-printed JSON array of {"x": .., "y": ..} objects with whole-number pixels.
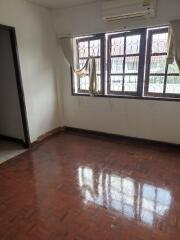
[{"x": 89, "y": 120}]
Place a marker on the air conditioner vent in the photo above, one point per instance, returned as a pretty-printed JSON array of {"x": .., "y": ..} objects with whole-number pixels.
[{"x": 113, "y": 11}]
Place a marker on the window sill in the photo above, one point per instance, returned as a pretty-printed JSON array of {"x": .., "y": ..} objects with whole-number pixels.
[{"x": 129, "y": 97}]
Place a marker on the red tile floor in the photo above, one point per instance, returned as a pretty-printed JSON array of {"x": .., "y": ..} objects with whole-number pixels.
[{"x": 82, "y": 187}]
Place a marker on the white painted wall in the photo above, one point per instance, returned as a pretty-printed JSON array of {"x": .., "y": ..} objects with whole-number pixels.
[
  {"x": 156, "y": 120},
  {"x": 86, "y": 19},
  {"x": 38, "y": 57}
]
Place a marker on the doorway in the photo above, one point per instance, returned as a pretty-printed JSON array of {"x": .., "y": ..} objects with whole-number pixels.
[{"x": 13, "y": 119}]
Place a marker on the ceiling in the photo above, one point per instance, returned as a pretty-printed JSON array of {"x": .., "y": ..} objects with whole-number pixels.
[{"x": 61, "y": 3}]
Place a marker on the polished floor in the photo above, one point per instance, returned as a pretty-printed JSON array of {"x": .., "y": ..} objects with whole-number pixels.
[
  {"x": 80, "y": 187},
  {"x": 9, "y": 150}
]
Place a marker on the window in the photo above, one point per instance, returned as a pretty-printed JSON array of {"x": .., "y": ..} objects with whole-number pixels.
[
  {"x": 125, "y": 63},
  {"x": 90, "y": 47},
  {"x": 161, "y": 79},
  {"x": 129, "y": 64}
]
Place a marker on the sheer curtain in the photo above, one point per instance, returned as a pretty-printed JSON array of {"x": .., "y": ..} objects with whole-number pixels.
[{"x": 174, "y": 43}]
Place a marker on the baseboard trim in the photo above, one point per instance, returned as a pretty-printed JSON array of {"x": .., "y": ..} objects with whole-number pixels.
[
  {"x": 50, "y": 133},
  {"x": 118, "y": 137},
  {"x": 98, "y": 134},
  {"x": 47, "y": 135},
  {"x": 12, "y": 139}
]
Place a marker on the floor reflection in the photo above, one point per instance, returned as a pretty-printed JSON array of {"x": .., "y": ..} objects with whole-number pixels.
[{"x": 132, "y": 199}]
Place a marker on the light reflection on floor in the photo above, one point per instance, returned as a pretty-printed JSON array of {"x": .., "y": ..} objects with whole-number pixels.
[{"x": 132, "y": 199}]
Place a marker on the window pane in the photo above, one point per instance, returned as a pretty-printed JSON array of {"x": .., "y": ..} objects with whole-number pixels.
[
  {"x": 159, "y": 42},
  {"x": 158, "y": 64},
  {"x": 116, "y": 83},
  {"x": 173, "y": 84},
  {"x": 87, "y": 47},
  {"x": 82, "y": 62},
  {"x": 173, "y": 68},
  {"x": 117, "y": 46},
  {"x": 99, "y": 83},
  {"x": 98, "y": 66},
  {"x": 130, "y": 83},
  {"x": 132, "y": 64},
  {"x": 117, "y": 65},
  {"x": 156, "y": 84},
  {"x": 133, "y": 44},
  {"x": 84, "y": 83},
  {"x": 95, "y": 47},
  {"x": 83, "y": 49}
]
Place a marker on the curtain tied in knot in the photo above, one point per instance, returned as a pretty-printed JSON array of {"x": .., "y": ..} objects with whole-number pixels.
[{"x": 88, "y": 69}]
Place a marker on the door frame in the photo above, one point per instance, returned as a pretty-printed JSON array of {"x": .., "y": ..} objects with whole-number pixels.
[{"x": 26, "y": 141}]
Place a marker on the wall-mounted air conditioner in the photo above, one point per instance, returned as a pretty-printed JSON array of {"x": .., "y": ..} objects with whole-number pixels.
[{"x": 116, "y": 10}]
